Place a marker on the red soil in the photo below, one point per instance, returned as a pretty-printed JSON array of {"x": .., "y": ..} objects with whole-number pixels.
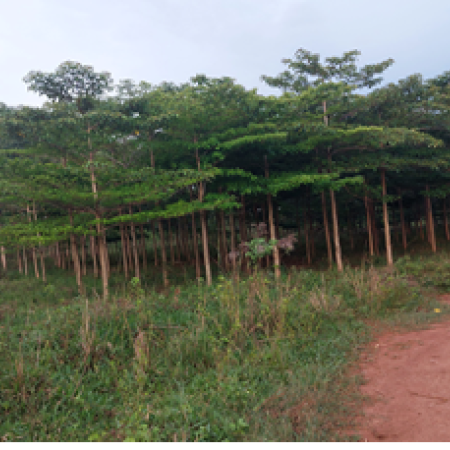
[{"x": 408, "y": 381}]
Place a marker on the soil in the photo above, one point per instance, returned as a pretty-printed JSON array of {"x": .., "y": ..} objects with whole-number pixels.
[{"x": 407, "y": 383}]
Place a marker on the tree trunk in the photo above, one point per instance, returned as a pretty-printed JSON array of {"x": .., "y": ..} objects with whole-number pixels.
[
  {"x": 76, "y": 261},
  {"x": 172, "y": 252},
  {"x": 224, "y": 238},
  {"x": 188, "y": 244},
  {"x": 375, "y": 229},
  {"x": 124, "y": 250},
  {"x": 233, "y": 241},
  {"x": 25, "y": 260},
  {"x": 155, "y": 246},
  {"x": 297, "y": 216},
  {"x": 41, "y": 252},
  {"x": 83, "y": 255},
  {"x": 177, "y": 239},
  {"x": 327, "y": 229},
  {"x": 204, "y": 227},
  {"x": 163, "y": 254},
  {"x": 430, "y": 221},
  {"x": 387, "y": 231},
  {"x": 350, "y": 229},
  {"x": 369, "y": 225},
  {"x": 277, "y": 222},
  {"x": 307, "y": 243},
  {"x": 243, "y": 233},
  {"x": 19, "y": 261},
  {"x": 419, "y": 221},
  {"x": 2, "y": 249},
  {"x": 143, "y": 249},
  {"x": 312, "y": 247},
  {"x": 334, "y": 215},
  {"x": 135, "y": 249},
  {"x": 58, "y": 255},
  {"x": 264, "y": 211},
  {"x": 195, "y": 243},
  {"x": 129, "y": 248},
  {"x": 93, "y": 254},
  {"x": 447, "y": 232},
  {"x": 33, "y": 249},
  {"x": 276, "y": 252},
  {"x": 337, "y": 242},
  {"x": 102, "y": 249},
  {"x": 402, "y": 221}
]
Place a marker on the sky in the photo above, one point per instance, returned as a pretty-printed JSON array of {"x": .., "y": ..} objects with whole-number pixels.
[{"x": 173, "y": 40}]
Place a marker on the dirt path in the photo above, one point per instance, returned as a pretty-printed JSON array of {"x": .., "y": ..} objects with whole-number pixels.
[{"x": 408, "y": 382}]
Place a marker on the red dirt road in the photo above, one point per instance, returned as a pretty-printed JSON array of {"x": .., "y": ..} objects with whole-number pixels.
[{"x": 408, "y": 381}]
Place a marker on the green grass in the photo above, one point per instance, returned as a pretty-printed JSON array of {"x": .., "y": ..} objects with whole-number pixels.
[{"x": 249, "y": 359}]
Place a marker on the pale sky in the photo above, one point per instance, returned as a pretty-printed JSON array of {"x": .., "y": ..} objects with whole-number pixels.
[{"x": 173, "y": 40}]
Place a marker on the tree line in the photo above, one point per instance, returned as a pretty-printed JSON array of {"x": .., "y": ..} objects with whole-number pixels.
[{"x": 212, "y": 174}]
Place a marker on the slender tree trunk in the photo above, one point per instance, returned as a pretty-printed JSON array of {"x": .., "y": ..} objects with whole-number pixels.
[
  {"x": 431, "y": 221},
  {"x": 83, "y": 255},
  {"x": 58, "y": 255},
  {"x": 277, "y": 222},
  {"x": 312, "y": 246},
  {"x": 233, "y": 240},
  {"x": 33, "y": 249},
  {"x": 172, "y": 252},
  {"x": 2, "y": 249},
  {"x": 447, "y": 232},
  {"x": 327, "y": 229},
  {"x": 276, "y": 252},
  {"x": 155, "y": 246},
  {"x": 161, "y": 235},
  {"x": 195, "y": 242},
  {"x": 163, "y": 254},
  {"x": 75, "y": 258},
  {"x": 124, "y": 250},
  {"x": 177, "y": 239},
  {"x": 93, "y": 254},
  {"x": 129, "y": 249},
  {"x": 369, "y": 225},
  {"x": 143, "y": 249},
  {"x": 350, "y": 230},
  {"x": 243, "y": 233},
  {"x": 419, "y": 222},
  {"x": 337, "y": 242},
  {"x": 264, "y": 212},
  {"x": 187, "y": 244},
  {"x": 307, "y": 243},
  {"x": 204, "y": 228},
  {"x": 297, "y": 216},
  {"x": 41, "y": 251},
  {"x": 135, "y": 249},
  {"x": 375, "y": 229},
  {"x": 387, "y": 231},
  {"x": 402, "y": 222},
  {"x": 334, "y": 215},
  {"x": 25, "y": 260},
  {"x": 102, "y": 248},
  {"x": 224, "y": 238},
  {"x": 19, "y": 260}
]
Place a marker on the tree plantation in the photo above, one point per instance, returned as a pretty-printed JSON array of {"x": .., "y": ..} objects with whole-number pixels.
[
  {"x": 200, "y": 262},
  {"x": 208, "y": 177}
]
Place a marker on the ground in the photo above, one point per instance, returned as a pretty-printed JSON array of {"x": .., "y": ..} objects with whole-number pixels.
[{"x": 407, "y": 384}]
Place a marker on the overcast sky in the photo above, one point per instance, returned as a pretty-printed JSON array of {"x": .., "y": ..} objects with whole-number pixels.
[{"x": 172, "y": 40}]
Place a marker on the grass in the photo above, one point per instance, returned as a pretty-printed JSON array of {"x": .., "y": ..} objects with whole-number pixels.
[{"x": 251, "y": 359}]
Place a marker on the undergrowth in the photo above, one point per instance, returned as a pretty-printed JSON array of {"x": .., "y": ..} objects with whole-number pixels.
[{"x": 252, "y": 359}]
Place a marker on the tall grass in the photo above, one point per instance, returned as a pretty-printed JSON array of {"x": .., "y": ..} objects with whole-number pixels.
[{"x": 245, "y": 359}]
